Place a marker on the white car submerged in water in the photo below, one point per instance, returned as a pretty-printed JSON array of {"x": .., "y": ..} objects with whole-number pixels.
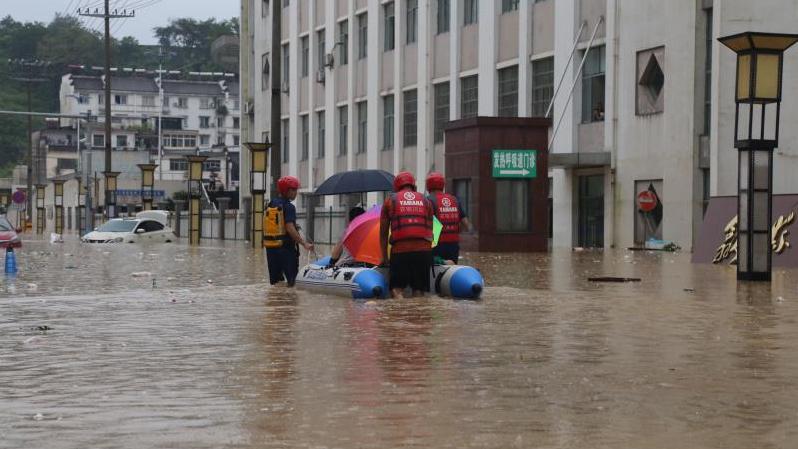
[{"x": 148, "y": 226}]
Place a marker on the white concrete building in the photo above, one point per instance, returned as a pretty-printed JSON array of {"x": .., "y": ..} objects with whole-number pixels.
[
  {"x": 199, "y": 112},
  {"x": 651, "y": 105}
]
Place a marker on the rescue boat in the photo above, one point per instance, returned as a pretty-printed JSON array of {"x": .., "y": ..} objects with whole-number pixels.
[{"x": 362, "y": 282}]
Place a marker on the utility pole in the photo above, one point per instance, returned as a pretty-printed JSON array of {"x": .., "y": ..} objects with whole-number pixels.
[
  {"x": 28, "y": 77},
  {"x": 276, "y": 81},
  {"x": 106, "y": 15}
]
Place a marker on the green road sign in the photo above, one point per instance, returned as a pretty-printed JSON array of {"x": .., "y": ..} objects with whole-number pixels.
[{"x": 514, "y": 163}]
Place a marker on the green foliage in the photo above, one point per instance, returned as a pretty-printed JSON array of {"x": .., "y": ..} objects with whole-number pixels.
[{"x": 65, "y": 41}]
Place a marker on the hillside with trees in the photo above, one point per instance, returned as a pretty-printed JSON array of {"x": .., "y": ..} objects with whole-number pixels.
[{"x": 67, "y": 42}]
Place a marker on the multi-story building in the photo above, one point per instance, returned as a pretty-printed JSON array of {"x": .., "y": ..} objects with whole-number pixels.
[
  {"x": 643, "y": 101},
  {"x": 199, "y": 113}
]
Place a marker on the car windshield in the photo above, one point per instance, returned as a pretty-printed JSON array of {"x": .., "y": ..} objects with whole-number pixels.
[
  {"x": 5, "y": 226},
  {"x": 118, "y": 226}
]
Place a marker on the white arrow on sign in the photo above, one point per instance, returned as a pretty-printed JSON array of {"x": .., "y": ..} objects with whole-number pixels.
[{"x": 523, "y": 172}]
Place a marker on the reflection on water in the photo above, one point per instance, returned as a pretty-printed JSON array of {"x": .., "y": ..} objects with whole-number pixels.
[{"x": 94, "y": 355}]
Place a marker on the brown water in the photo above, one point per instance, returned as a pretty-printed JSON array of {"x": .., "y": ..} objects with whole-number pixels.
[{"x": 683, "y": 359}]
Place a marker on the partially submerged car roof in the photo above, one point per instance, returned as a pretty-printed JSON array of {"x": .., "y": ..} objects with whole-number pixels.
[{"x": 161, "y": 216}]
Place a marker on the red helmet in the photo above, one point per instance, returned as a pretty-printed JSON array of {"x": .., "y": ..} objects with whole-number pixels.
[
  {"x": 435, "y": 181},
  {"x": 287, "y": 183},
  {"x": 403, "y": 179}
]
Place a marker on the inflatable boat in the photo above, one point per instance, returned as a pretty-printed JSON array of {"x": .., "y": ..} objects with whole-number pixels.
[{"x": 362, "y": 282}]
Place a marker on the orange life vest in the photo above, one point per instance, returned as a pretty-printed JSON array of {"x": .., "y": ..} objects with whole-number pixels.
[
  {"x": 447, "y": 209},
  {"x": 409, "y": 217}
]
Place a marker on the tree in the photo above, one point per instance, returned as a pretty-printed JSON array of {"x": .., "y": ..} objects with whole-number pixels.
[{"x": 191, "y": 40}]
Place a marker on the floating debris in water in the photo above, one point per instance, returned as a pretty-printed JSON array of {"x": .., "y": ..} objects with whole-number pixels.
[
  {"x": 612, "y": 279},
  {"x": 141, "y": 274}
]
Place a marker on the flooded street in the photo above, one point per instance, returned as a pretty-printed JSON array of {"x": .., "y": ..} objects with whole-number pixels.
[{"x": 173, "y": 347}]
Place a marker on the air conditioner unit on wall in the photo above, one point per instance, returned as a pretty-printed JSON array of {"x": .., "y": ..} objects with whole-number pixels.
[
  {"x": 249, "y": 108},
  {"x": 320, "y": 76},
  {"x": 284, "y": 87}
]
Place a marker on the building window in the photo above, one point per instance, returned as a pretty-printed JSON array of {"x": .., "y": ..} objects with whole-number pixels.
[
  {"x": 121, "y": 141},
  {"x": 205, "y": 140},
  {"x": 412, "y": 21},
  {"x": 410, "y": 103},
  {"x": 148, "y": 100},
  {"x": 542, "y": 86},
  {"x": 220, "y": 139},
  {"x": 286, "y": 3},
  {"x": 343, "y": 38},
  {"x": 470, "y": 12},
  {"x": 182, "y": 102},
  {"x": 236, "y": 122},
  {"x": 443, "y": 16},
  {"x": 387, "y": 122},
  {"x": 206, "y": 103},
  {"x": 321, "y": 49},
  {"x": 512, "y": 205},
  {"x": 205, "y": 122},
  {"x": 650, "y": 81},
  {"x": 98, "y": 140},
  {"x": 305, "y": 47},
  {"x": 286, "y": 64},
  {"x": 343, "y": 129},
  {"x": 84, "y": 99},
  {"x": 120, "y": 99},
  {"x": 508, "y": 92},
  {"x": 101, "y": 99},
  {"x": 462, "y": 191},
  {"x": 593, "y": 86},
  {"x": 469, "y": 96},
  {"x": 362, "y": 123},
  {"x": 320, "y": 136},
  {"x": 362, "y": 35},
  {"x": 178, "y": 165},
  {"x": 390, "y": 27},
  {"x": 509, "y": 5},
  {"x": 264, "y": 68},
  {"x": 212, "y": 166},
  {"x": 441, "y": 110},
  {"x": 264, "y": 8},
  {"x": 180, "y": 140},
  {"x": 220, "y": 122},
  {"x": 286, "y": 141},
  {"x": 305, "y": 137},
  {"x": 236, "y": 140}
]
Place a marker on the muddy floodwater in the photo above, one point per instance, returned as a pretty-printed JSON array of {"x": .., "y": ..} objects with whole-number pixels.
[{"x": 124, "y": 346}]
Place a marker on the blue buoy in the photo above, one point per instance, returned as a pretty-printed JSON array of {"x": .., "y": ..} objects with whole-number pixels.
[{"x": 11, "y": 261}]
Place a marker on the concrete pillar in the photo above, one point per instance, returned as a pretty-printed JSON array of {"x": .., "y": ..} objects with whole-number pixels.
[
  {"x": 224, "y": 203},
  {"x": 246, "y": 206},
  {"x": 179, "y": 206}
]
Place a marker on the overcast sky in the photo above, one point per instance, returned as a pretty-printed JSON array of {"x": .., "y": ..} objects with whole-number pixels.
[{"x": 149, "y": 13}]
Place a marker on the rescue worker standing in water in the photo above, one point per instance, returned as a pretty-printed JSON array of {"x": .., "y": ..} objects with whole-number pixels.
[
  {"x": 408, "y": 215},
  {"x": 450, "y": 214},
  {"x": 280, "y": 235}
]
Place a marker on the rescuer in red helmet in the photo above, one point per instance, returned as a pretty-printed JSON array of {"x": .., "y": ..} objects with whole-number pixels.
[
  {"x": 451, "y": 215},
  {"x": 280, "y": 235},
  {"x": 408, "y": 215}
]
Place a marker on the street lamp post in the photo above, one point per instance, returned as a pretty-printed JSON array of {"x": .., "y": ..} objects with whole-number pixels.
[
  {"x": 195, "y": 198},
  {"x": 110, "y": 193},
  {"x": 756, "y": 135},
  {"x": 40, "y": 189},
  {"x": 58, "y": 210},
  {"x": 81, "y": 215},
  {"x": 147, "y": 185},
  {"x": 257, "y": 183}
]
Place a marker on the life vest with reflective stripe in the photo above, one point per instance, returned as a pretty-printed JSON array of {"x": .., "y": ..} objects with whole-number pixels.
[
  {"x": 409, "y": 216},
  {"x": 447, "y": 209}
]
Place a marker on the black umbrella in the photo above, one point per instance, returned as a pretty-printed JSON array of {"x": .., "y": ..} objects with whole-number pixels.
[{"x": 356, "y": 181}]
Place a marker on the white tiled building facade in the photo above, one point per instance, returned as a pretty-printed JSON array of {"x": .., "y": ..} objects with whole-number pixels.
[{"x": 652, "y": 103}]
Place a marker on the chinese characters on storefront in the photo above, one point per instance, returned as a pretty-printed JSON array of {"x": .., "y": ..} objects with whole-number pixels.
[{"x": 779, "y": 240}]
